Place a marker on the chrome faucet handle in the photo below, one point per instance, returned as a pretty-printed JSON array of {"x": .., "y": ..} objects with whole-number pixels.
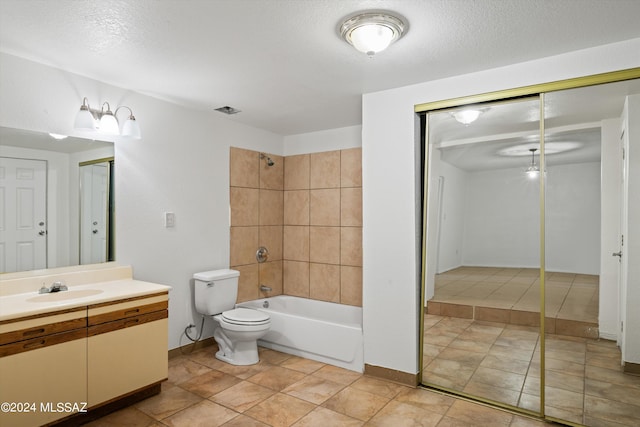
[
  {"x": 44, "y": 290},
  {"x": 264, "y": 288},
  {"x": 57, "y": 286}
]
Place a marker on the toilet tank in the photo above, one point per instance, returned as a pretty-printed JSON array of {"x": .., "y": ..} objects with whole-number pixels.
[{"x": 215, "y": 291}]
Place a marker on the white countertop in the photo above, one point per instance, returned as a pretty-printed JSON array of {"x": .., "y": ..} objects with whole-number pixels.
[{"x": 31, "y": 303}]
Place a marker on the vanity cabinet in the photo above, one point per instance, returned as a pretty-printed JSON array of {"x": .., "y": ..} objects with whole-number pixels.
[
  {"x": 43, "y": 362},
  {"x": 127, "y": 346}
]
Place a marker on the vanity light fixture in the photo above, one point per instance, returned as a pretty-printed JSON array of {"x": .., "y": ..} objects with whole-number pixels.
[
  {"x": 533, "y": 171},
  {"x": 372, "y": 32},
  {"x": 105, "y": 121},
  {"x": 466, "y": 116}
]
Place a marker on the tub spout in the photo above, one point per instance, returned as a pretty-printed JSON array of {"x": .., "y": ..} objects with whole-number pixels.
[{"x": 264, "y": 288}]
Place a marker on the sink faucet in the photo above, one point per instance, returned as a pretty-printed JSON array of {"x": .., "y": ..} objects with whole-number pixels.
[
  {"x": 56, "y": 286},
  {"x": 264, "y": 288}
]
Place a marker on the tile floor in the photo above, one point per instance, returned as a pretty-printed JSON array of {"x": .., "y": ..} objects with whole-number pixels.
[
  {"x": 285, "y": 390},
  {"x": 584, "y": 380},
  {"x": 512, "y": 295}
]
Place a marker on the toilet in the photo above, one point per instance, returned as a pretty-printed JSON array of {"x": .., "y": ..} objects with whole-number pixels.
[{"x": 236, "y": 329}]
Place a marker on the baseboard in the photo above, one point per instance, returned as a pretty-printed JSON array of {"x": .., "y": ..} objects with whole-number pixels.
[
  {"x": 186, "y": 349},
  {"x": 632, "y": 368},
  {"x": 404, "y": 378}
]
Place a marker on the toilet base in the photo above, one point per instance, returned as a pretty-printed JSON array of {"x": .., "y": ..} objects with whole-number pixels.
[{"x": 245, "y": 353}]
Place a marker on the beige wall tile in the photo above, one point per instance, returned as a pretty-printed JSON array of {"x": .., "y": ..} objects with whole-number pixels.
[
  {"x": 324, "y": 207},
  {"x": 244, "y": 244},
  {"x": 296, "y": 207},
  {"x": 351, "y": 285},
  {"x": 271, "y": 275},
  {"x": 324, "y": 245},
  {"x": 244, "y": 206},
  {"x": 296, "y": 172},
  {"x": 271, "y": 207},
  {"x": 243, "y": 167},
  {"x": 351, "y": 207},
  {"x": 247, "y": 282},
  {"x": 351, "y": 167},
  {"x": 351, "y": 246},
  {"x": 296, "y": 278},
  {"x": 272, "y": 177},
  {"x": 324, "y": 282},
  {"x": 270, "y": 236},
  {"x": 296, "y": 243},
  {"x": 325, "y": 170}
]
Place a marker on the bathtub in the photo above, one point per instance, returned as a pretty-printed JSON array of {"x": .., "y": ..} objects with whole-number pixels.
[{"x": 318, "y": 330}]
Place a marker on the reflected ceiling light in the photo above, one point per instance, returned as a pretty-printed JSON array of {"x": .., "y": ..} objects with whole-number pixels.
[
  {"x": 533, "y": 171},
  {"x": 372, "y": 32},
  {"x": 549, "y": 148},
  {"x": 466, "y": 116},
  {"x": 105, "y": 121}
]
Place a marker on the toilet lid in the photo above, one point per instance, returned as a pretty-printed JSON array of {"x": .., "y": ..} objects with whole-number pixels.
[{"x": 245, "y": 316}]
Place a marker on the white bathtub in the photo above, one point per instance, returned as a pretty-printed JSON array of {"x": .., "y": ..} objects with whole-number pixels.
[{"x": 318, "y": 330}]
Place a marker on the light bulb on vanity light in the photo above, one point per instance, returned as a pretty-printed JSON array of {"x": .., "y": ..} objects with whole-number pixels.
[{"x": 105, "y": 121}]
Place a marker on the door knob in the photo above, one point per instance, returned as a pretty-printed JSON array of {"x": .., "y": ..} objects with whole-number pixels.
[
  {"x": 42, "y": 232},
  {"x": 618, "y": 254},
  {"x": 95, "y": 231}
]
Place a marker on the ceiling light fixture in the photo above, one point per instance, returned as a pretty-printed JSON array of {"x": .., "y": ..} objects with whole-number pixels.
[
  {"x": 466, "y": 116},
  {"x": 372, "y": 32},
  {"x": 57, "y": 136},
  {"x": 105, "y": 121},
  {"x": 532, "y": 171}
]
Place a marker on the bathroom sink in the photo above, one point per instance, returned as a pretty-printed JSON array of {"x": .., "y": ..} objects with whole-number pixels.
[{"x": 65, "y": 295}]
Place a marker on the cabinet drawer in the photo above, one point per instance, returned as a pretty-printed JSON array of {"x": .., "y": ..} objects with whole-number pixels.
[
  {"x": 28, "y": 328},
  {"x": 44, "y": 341},
  {"x": 127, "y": 322},
  {"x": 103, "y": 313}
]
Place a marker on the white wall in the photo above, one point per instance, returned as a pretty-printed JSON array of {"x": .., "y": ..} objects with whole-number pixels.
[
  {"x": 328, "y": 140},
  {"x": 390, "y": 258},
  {"x": 181, "y": 165}
]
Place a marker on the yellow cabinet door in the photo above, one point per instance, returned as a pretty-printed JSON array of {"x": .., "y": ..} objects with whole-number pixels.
[
  {"x": 125, "y": 360},
  {"x": 43, "y": 385}
]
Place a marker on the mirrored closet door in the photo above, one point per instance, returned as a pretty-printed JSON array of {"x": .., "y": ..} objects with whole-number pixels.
[{"x": 524, "y": 226}]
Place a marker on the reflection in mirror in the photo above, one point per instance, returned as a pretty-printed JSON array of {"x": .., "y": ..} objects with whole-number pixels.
[
  {"x": 483, "y": 228},
  {"x": 582, "y": 367},
  {"x": 42, "y": 219},
  {"x": 96, "y": 208}
]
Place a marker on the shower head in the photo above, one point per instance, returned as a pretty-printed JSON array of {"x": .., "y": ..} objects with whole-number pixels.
[{"x": 268, "y": 159}]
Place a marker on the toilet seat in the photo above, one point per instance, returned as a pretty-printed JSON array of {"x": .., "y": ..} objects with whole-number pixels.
[{"x": 245, "y": 316}]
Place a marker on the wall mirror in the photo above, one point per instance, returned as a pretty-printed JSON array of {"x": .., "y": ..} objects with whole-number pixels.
[
  {"x": 51, "y": 191},
  {"x": 525, "y": 276}
]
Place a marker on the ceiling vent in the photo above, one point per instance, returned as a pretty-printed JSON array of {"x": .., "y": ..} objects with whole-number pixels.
[{"x": 228, "y": 110}]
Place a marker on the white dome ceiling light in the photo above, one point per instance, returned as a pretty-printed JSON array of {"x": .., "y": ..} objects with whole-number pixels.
[{"x": 372, "y": 32}]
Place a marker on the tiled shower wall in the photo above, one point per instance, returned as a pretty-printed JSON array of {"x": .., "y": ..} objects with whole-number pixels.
[{"x": 307, "y": 211}]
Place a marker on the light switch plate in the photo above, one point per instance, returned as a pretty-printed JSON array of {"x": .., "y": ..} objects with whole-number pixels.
[{"x": 169, "y": 219}]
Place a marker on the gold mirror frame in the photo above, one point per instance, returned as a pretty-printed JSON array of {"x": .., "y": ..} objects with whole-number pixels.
[{"x": 505, "y": 95}]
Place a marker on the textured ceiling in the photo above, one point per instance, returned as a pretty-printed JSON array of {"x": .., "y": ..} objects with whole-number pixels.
[{"x": 281, "y": 61}]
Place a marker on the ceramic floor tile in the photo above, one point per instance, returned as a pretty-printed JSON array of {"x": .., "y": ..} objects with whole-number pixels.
[
  {"x": 210, "y": 383},
  {"x": 398, "y": 414},
  {"x": 379, "y": 387},
  {"x": 202, "y": 414},
  {"x": 168, "y": 403},
  {"x": 618, "y": 393},
  {"x": 125, "y": 417},
  {"x": 496, "y": 394},
  {"x": 498, "y": 379},
  {"x": 336, "y": 374},
  {"x": 323, "y": 417},
  {"x": 354, "y": 403},
  {"x": 477, "y": 415},
  {"x": 280, "y": 410},
  {"x": 242, "y": 396},
  {"x": 300, "y": 364},
  {"x": 182, "y": 369},
  {"x": 313, "y": 389},
  {"x": 426, "y": 399},
  {"x": 244, "y": 421},
  {"x": 276, "y": 378}
]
